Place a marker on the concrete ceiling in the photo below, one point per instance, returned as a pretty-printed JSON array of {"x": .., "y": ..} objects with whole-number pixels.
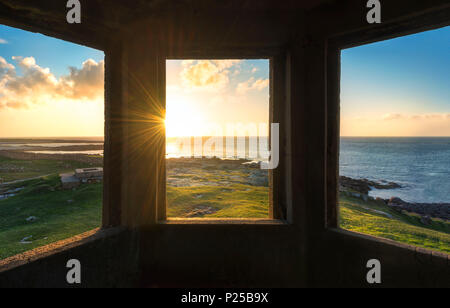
[{"x": 105, "y": 18}]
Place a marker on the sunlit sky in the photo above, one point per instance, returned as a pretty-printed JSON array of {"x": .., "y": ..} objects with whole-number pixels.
[
  {"x": 210, "y": 97},
  {"x": 40, "y": 96},
  {"x": 52, "y": 88},
  {"x": 399, "y": 87}
]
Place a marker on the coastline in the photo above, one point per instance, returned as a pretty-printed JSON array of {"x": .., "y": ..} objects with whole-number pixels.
[
  {"x": 360, "y": 188},
  {"x": 182, "y": 167},
  {"x": 199, "y": 188}
]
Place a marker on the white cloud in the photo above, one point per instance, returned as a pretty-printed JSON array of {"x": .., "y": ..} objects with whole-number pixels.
[
  {"x": 6, "y": 68},
  {"x": 254, "y": 70},
  {"x": 252, "y": 84},
  {"x": 223, "y": 64},
  {"x": 392, "y": 116},
  {"x": 2, "y": 41},
  {"x": 206, "y": 74},
  {"x": 38, "y": 85},
  {"x": 434, "y": 116},
  {"x": 417, "y": 117},
  {"x": 187, "y": 62},
  {"x": 87, "y": 82}
]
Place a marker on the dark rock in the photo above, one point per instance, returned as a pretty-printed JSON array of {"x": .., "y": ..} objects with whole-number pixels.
[
  {"x": 353, "y": 184},
  {"x": 363, "y": 185},
  {"x": 396, "y": 201},
  {"x": 396, "y": 208},
  {"x": 435, "y": 210},
  {"x": 380, "y": 200},
  {"x": 426, "y": 220}
]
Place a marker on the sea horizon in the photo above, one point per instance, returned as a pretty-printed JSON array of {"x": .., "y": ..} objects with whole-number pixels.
[
  {"x": 72, "y": 137},
  {"x": 420, "y": 164}
]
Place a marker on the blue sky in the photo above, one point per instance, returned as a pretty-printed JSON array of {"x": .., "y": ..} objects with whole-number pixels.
[
  {"x": 40, "y": 96},
  {"x": 396, "y": 79},
  {"x": 398, "y": 87},
  {"x": 48, "y": 52}
]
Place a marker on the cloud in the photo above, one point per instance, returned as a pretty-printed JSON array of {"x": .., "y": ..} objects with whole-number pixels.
[
  {"x": 430, "y": 116},
  {"x": 254, "y": 70},
  {"x": 87, "y": 82},
  {"x": 206, "y": 74},
  {"x": 2, "y": 41},
  {"x": 224, "y": 64},
  {"x": 392, "y": 116},
  {"x": 434, "y": 116},
  {"x": 252, "y": 84},
  {"x": 187, "y": 62},
  {"x": 6, "y": 68},
  {"x": 416, "y": 117},
  {"x": 38, "y": 85}
]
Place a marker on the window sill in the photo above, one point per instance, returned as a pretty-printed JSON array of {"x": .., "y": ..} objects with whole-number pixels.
[
  {"x": 423, "y": 252},
  {"x": 223, "y": 221},
  {"x": 57, "y": 247}
]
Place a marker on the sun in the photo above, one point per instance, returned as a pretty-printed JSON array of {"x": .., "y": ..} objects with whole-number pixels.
[{"x": 183, "y": 119}]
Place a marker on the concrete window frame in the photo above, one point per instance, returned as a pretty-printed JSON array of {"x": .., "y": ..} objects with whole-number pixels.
[
  {"x": 413, "y": 25},
  {"x": 111, "y": 221},
  {"x": 277, "y": 104}
]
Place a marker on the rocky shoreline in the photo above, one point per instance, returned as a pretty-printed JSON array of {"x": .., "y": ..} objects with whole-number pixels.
[
  {"x": 364, "y": 186},
  {"x": 360, "y": 188},
  {"x": 426, "y": 210}
]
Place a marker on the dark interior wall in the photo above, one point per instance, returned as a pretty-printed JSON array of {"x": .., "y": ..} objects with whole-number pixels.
[
  {"x": 108, "y": 258},
  {"x": 303, "y": 252},
  {"x": 338, "y": 258},
  {"x": 208, "y": 250},
  {"x": 341, "y": 259},
  {"x": 221, "y": 256},
  {"x": 211, "y": 253}
]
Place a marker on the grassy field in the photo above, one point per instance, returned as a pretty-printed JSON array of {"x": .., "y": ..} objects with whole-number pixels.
[
  {"x": 214, "y": 188},
  {"x": 15, "y": 169},
  {"x": 194, "y": 191},
  {"x": 242, "y": 201},
  {"x": 60, "y": 214},
  {"x": 372, "y": 218}
]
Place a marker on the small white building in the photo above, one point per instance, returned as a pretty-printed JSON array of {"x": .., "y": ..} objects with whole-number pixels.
[{"x": 75, "y": 179}]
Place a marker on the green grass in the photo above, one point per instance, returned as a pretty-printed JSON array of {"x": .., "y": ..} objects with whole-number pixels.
[
  {"x": 233, "y": 201},
  {"x": 15, "y": 169},
  {"x": 359, "y": 216},
  {"x": 57, "y": 218}
]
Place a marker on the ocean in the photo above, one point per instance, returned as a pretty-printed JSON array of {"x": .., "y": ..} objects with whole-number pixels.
[
  {"x": 420, "y": 165},
  {"x": 52, "y": 145},
  {"x": 258, "y": 148}
]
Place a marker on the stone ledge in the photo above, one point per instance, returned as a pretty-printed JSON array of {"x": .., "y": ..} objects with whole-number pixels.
[
  {"x": 222, "y": 221},
  {"x": 57, "y": 247},
  {"x": 419, "y": 252}
]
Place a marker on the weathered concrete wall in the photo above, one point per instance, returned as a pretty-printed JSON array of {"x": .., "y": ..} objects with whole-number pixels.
[
  {"x": 302, "y": 252},
  {"x": 108, "y": 259},
  {"x": 211, "y": 253},
  {"x": 338, "y": 258},
  {"x": 221, "y": 256},
  {"x": 341, "y": 258}
]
